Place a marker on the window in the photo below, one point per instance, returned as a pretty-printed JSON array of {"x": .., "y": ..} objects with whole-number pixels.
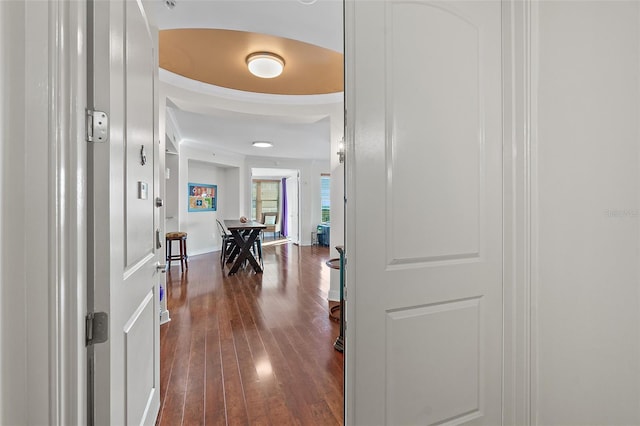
[
  {"x": 265, "y": 197},
  {"x": 325, "y": 197}
]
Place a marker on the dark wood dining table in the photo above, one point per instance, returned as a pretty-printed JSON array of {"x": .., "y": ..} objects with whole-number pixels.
[{"x": 245, "y": 235}]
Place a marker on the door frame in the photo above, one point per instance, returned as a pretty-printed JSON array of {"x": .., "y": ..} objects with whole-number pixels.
[
  {"x": 279, "y": 177},
  {"x": 67, "y": 241},
  {"x": 41, "y": 329},
  {"x": 517, "y": 207},
  {"x": 67, "y": 207},
  {"x": 296, "y": 179}
]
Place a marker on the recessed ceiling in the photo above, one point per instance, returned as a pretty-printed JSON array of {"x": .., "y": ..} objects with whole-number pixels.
[
  {"x": 218, "y": 57},
  {"x": 227, "y": 120}
]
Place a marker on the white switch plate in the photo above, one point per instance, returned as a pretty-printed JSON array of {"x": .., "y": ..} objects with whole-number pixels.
[{"x": 143, "y": 190}]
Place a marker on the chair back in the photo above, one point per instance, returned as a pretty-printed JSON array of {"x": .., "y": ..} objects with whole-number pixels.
[
  {"x": 221, "y": 230},
  {"x": 271, "y": 220}
]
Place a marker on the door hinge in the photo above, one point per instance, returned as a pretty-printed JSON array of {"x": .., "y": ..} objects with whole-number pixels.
[
  {"x": 97, "y": 126},
  {"x": 97, "y": 328}
]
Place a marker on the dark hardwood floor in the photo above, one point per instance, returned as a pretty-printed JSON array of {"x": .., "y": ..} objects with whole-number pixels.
[{"x": 251, "y": 349}]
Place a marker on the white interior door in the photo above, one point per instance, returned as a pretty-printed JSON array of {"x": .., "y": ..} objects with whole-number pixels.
[
  {"x": 424, "y": 229},
  {"x": 123, "y": 217},
  {"x": 292, "y": 206}
]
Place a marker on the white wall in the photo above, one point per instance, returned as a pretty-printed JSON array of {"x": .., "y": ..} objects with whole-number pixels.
[
  {"x": 200, "y": 164},
  {"x": 310, "y": 171},
  {"x": 586, "y": 213},
  {"x": 201, "y": 226},
  {"x": 232, "y": 193},
  {"x": 172, "y": 204}
]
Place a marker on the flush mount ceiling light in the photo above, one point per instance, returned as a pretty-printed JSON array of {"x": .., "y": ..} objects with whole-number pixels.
[
  {"x": 262, "y": 144},
  {"x": 265, "y": 64}
]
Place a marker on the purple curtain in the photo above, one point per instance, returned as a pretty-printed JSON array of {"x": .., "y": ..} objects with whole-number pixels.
[{"x": 285, "y": 211}]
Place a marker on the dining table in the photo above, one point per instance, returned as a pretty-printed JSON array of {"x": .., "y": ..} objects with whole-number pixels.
[{"x": 244, "y": 235}]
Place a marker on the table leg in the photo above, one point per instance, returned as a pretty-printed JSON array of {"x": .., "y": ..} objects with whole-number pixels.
[
  {"x": 235, "y": 249},
  {"x": 244, "y": 245}
]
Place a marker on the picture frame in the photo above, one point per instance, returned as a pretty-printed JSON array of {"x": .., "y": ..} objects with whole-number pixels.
[{"x": 202, "y": 197}]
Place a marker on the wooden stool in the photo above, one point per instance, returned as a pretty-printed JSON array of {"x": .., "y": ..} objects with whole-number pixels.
[{"x": 181, "y": 237}]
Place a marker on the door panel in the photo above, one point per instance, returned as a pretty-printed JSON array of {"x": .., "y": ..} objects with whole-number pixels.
[
  {"x": 435, "y": 128},
  {"x": 425, "y": 295},
  {"x": 452, "y": 360},
  {"x": 139, "y": 343},
  {"x": 139, "y": 135}
]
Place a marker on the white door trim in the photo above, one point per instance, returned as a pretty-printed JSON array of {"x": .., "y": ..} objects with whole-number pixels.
[
  {"x": 67, "y": 212},
  {"x": 349, "y": 196},
  {"x": 517, "y": 212}
]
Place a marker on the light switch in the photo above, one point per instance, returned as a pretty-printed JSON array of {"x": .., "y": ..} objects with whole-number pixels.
[{"x": 143, "y": 190}]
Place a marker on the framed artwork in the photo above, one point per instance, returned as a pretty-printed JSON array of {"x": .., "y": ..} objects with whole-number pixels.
[{"x": 202, "y": 197}]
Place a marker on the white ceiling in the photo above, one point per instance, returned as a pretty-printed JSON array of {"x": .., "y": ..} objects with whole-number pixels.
[
  {"x": 319, "y": 23},
  {"x": 294, "y": 135}
]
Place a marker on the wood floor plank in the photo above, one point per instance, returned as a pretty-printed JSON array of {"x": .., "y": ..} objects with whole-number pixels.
[
  {"x": 194, "y": 396},
  {"x": 251, "y": 349},
  {"x": 215, "y": 413},
  {"x": 173, "y": 405}
]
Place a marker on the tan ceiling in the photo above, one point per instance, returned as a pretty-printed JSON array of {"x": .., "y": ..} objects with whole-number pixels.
[{"x": 218, "y": 57}]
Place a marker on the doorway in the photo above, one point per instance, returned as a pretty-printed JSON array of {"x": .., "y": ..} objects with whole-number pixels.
[
  {"x": 217, "y": 125},
  {"x": 277, "y": 191}
]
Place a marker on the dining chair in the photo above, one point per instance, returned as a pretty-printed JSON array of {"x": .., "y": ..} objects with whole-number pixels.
[
  {"x": 270, "y": 219},
  {"x": 227, "y": 241}
]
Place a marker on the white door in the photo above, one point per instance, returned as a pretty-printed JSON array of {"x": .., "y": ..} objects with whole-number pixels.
[
  {"x": 292, "y": 206},
  {"x": 123, "y": 219},
  {"x": 424, "y": 239}
]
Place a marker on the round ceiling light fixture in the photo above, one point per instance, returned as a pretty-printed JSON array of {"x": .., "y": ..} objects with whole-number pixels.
[
  {"x": 265, "y": 64},
  {"x": 262, "y": 144}
]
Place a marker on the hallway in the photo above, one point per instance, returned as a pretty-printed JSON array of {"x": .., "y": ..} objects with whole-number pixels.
[{"x": 251, "y": 348}]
